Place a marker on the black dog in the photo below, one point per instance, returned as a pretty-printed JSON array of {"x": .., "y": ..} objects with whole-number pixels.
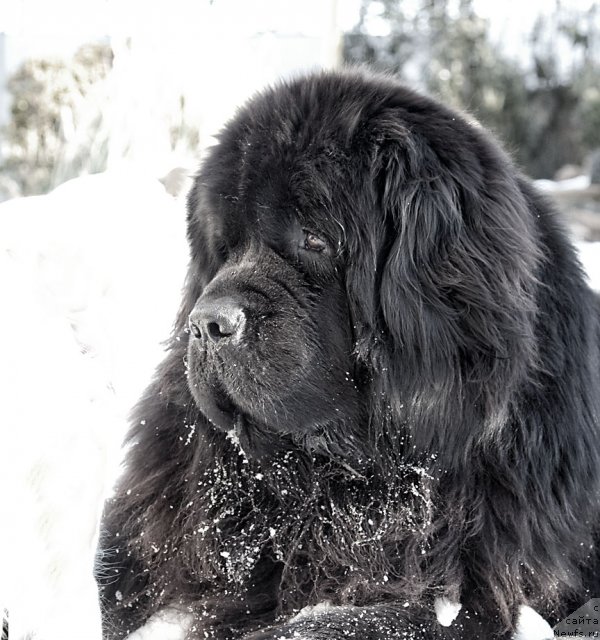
[{"x": 383, "y": 388}]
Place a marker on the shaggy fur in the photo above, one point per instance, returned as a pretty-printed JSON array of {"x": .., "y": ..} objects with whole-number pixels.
[{"x": 410, "y": 409}]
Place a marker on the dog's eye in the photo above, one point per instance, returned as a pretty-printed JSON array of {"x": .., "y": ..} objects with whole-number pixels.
[{"x": 312, "y": 242}]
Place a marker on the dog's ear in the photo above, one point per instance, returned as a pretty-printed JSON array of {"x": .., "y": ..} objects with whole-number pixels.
[{"x": 452, "y": 315}]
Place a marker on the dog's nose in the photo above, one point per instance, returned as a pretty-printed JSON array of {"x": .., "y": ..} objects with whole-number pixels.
[{"x": 219, "y": 319}]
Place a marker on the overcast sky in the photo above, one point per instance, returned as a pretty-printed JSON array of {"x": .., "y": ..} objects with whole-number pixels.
[{"x": 93, "y": 17}]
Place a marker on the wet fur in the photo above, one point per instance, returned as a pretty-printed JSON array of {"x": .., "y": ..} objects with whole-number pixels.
[{"x": 464, "y": 459}]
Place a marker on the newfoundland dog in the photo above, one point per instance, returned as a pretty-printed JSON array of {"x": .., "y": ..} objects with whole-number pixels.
[{"x": 378, "y": 416}]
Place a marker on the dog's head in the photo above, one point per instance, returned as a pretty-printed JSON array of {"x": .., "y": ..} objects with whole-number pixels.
[{"x": 362, "y": 260}]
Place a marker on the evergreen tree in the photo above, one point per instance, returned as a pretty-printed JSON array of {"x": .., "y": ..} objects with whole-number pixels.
[{"x": 546, "y": 114}]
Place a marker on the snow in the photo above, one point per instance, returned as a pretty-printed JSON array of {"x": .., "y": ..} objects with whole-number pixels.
[
  {"x": 167, "y": 624},
  {"x": 90, "y": 280},
  {"x": 577, "y": 183},
  {"x": 446, "y": 611},
  {"x": 55, "y": 468},
  {"x": 107, "y": 253},
  {"x": 314, "y": 611},
  {"x": 589, "y": 252},
  {"x": 532, "y": 626}
]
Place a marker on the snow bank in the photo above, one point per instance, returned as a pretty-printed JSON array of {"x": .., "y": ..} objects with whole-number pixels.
[
  {"x": 55, "y": 413},
  {"x": 89, "y": 278},
  {"x": 107, "y": 252}
]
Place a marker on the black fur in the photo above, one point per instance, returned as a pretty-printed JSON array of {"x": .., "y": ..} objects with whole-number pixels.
[{"x": 416, "y": 405}]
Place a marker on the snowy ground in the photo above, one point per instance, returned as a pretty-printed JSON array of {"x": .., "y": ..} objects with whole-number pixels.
[{"x": 90, "y": 277}]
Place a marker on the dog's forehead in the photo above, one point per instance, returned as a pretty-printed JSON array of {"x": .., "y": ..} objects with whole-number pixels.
[{"x": 270, "y": 184}]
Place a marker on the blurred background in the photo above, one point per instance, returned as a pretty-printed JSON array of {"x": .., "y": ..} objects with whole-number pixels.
[
  {"x": 106, "y": 107},
  {"x": 87, "y": 86}
]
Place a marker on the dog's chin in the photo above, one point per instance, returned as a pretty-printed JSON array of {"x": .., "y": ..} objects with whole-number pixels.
[
  {"x": 255, "y": 439},
  {"x": 215, "y": 405}
]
